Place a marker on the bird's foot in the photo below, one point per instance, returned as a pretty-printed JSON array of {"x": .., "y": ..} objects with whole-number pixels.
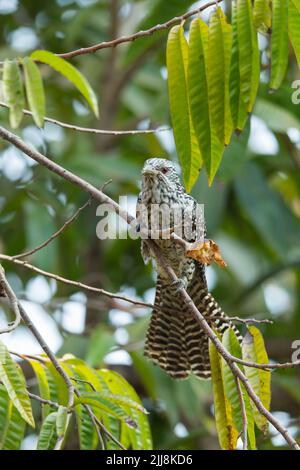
[{"x": 179, "y": 284}]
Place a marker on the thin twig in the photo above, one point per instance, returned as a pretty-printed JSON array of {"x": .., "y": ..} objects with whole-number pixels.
[
  {"x": 245, "y": 321},
  {"x": 77, "y": 284},
  {"x": 43, "y": 400},
  {"x": 98, "y": 430},
  {"x": 26, "y": 319},
  {"x": 54, "y": 235},
  {"x": 85, "y": 382},
  {"x": 71, "y": 389},
  {"x": 101, "y": 426},
  {"x": 89, "y": 130},
  {"x": 108, "y": 433},
  {"x": 140, "y": 34},
  {"x": 13, "y": 303},
  {"x": 61, "y": 230}
]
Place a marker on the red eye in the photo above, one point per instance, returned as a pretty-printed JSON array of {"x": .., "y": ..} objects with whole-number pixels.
[{"x": 164, "y": 170}]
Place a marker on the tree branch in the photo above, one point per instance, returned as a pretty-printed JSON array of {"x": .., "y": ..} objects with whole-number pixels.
[
  {"x": 140, "y": 34},
  {"x": 94, "y": 131},
  {"x": 26, "y": 319},
  {"x": 77, "y": 284}
]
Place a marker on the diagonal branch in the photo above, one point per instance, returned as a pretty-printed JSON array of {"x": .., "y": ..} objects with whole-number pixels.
[
  {"x": 26, "y": 319},
  {"x": 169, "y": 272},
  {"x": 140, "y": 34}
]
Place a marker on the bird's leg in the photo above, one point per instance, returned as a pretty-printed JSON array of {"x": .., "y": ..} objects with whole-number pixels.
[
  {"x": 180, "y": 283},
  {"x": 185, "y": 275}
]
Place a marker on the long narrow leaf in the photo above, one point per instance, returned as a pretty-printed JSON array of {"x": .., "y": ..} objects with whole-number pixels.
[
  {"x": 44, "y": 388},
  {"x": 87, "y": 434},
  {"x": 106, "y": 406},
  {"x": 48, "y": 436},
  {"x": 185, "y": 139},
  {"x": 227, "y": 432},
  {"x": 279, "y": 42},
  {"x": 232, "y": 345},
  {"x": 12, "y": 425},
  {"x": 253, "y": 349},
  {"x": 262, "y": 14},
  {"x": 34, "y": 90},
  {"x": 13, "y": 380},
  {"x": 211, "y": 148},
  {"x": 61, "y": 421},
  {"x": 239, "y": 111},
  {"x": 294, "y": 26},
  {"x": 13, "y": 92},
  {"x": 71, "y": 73},
  {"x": 219, "y": 50},
  {"x": 248, "y": 54},
  {"x": 141, "y": 435}
]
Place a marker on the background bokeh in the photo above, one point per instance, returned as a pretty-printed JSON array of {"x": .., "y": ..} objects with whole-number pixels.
[{"x": 252, "y": 211}]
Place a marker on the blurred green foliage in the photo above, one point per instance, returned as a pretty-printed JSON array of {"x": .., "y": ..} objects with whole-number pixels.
[{"x": 252, "y": 209}]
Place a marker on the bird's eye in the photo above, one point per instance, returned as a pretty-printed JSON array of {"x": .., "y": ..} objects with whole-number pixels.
[{"x": 164, "y": 170}]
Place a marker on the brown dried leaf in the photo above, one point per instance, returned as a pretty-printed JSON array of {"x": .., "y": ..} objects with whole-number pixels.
[{"x": 206, "y": 252}]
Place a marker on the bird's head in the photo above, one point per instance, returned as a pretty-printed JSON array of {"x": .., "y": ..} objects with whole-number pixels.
[{"x": 162, "y": 171}]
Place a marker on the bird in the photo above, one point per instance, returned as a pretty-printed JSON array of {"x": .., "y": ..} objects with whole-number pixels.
[{"x": 175, "y": 340}]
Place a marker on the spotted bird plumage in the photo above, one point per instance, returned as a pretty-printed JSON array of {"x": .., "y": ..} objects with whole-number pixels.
[{"x": 175, "y": 340}]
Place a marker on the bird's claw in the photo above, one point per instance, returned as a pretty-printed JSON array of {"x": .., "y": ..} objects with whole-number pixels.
[{"x": 179, "y": 284}]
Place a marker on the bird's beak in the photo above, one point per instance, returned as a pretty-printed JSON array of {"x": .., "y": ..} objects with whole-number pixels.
[{"x": 149, "y": 171}]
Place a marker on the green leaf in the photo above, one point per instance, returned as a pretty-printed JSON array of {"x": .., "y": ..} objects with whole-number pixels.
[
  {"x": 227, "y": 432},
  {"x": 61, "y": 421},
  {"x": 279, "y": 54},
  {"x": 44, "y": 388},
  {"x": 232, "y": 345},
  {"x": 238, "y": 107},
  {"x": 57, "y": 384},
  {"x": 218, "y": 60},
  {"x": 253, "y": 349},
  {"x": 13, "y": 380},
  {"x": 106, "y": 406},
  {"x": 34, "y": 90},
  {"x": 12, "y": 426},
  {"x": 71, "y": 73},
  {"x": 88, "y": 437},
  {"x": 140, "y": 436},
  {"x": 198, "y": 88},
  {"x": 184, "y": 134},
  {"x": 13, "y": 92},
  {"x": 124, "y": 401},
  {"x": 249, "y": 66},
  {"x": 294, "y": 26},
  {"x": 245, "y": 66},
  {"x": 48, "y": 436},
  {"x": 262, "y": 14},
  {"x": 297, "y": 5}
]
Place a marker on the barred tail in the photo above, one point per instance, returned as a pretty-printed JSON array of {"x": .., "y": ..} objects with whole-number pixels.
[{"x": 175, "y": 341}]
